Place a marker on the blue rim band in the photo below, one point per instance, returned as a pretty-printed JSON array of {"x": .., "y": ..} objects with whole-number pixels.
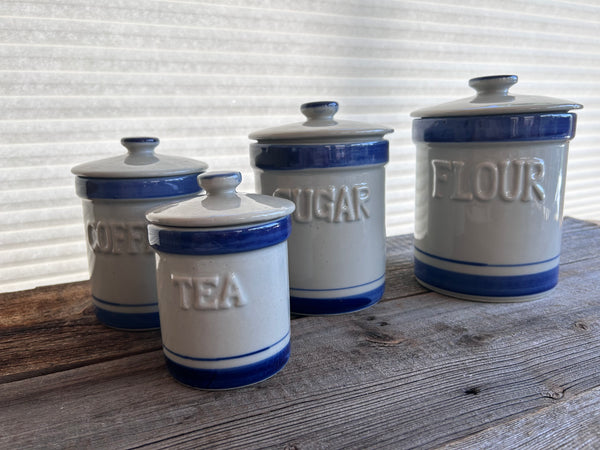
[
  {"x": 495, "y": 128},
  {"x": 136, "y": 188},
  {"x": 340, "y": 305},
  {"x": 232, "y": 377},
  {"x": 127, "y": 321},
  {"x": 318, "y": 156},
  {"x": 219, "y": 242},
  {"x": 486, "y": 286}
]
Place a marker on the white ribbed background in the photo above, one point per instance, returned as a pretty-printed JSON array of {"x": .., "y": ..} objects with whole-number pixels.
[{"x": 76, "y": 76}]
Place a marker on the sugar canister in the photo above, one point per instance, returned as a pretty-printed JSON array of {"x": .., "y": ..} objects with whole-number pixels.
[
  {"x": 490, "y": 182},
  {"x": 223, "y": 289},
  {"x": 116, "y": 192},
  {"x": 333, "y": 170}
]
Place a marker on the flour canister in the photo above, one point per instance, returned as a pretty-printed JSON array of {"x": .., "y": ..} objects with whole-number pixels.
[
  {"x": 490, "y": 182},
  {"x": 223, "y": 288},
  {"x": 116, "y": 193},
  {"x": 333, "y": 170}
]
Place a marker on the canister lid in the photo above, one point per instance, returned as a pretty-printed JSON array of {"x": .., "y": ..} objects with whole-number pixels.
[
  {"x": 493, "y": 97},
  {"x": 495, "y": 115},
  {"x": 321, "y": 126},
  {"x": 140, "y": 161},
  {"x": 321, "y": 142},
  {"x": 221, "y": 206}
]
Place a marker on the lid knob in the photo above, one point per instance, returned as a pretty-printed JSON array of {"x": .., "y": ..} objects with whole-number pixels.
[
  {"x": 220, "y": 183},
  {"x": 137, "y": 145},
  {"x": 493, "y": 85},
  {"x": 140, "y": 150},
  {"x": 319, "y": 110}
]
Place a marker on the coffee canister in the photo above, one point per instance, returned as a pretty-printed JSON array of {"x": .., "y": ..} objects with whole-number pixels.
[
  {"x": 223, "y": 288},
  {"x": 490, "y": 182},
  {"x": 116, "y": 192},
  {"x": 333, "y": 170}
]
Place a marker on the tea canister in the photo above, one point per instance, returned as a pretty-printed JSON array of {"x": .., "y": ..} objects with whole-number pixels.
[
  {"x": 116, "y": 192},
  {"x": 223, "y": 287},
  {"x": 490, "y": 182},
  {"x": 333, "y": 170}
]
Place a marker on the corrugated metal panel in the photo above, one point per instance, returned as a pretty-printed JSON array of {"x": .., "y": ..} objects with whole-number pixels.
[{"x": 76, "y": 76}]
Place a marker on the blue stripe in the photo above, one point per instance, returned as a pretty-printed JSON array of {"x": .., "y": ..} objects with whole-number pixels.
[
  {"x": 495, "y": 128},
  {"x": 125, "y": 304},
  {"x": 339, "y": 289},
  {"x": 128, "y": 321},
  {"x": 478, "y": 264},
  {"x": 136, "y": 188},
  {"x": 318, "y": 156},
  {"x": 231, "y": 377},
  {"x": 226, "y": 358},
  {"x": 486, "y": 286},
  {"x": 221, "y": 241},
  {"x": 338, "y": 305}
]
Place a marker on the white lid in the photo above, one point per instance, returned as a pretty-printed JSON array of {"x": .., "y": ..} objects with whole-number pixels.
[
  {"x": 320, "y": 125},
  {"x": 140, "y": 161},
  {"x": 221, "y": 205},
  {"x": 493, "y": 98}
]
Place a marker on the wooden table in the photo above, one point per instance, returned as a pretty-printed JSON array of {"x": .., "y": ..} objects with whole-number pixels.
[{"x": 416, "y": 370}]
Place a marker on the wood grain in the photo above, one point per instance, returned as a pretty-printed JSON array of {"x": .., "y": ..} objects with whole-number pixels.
[
  {"x": 54, "y": 328},
  {"x": 418, "y": 370}
]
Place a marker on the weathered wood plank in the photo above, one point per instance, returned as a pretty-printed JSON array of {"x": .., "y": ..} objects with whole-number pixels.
[
  {"x": 420, "y": 371},
  {"x": 570, "y": 424},
  {"x": 54, "y": 328}
]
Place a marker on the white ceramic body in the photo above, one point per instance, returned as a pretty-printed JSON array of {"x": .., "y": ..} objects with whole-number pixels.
[
  {"x": 121, "y": 262},
  {"x": 225, "y": 319},
  {"x": 116, "y": 193},
  {"x": 337, "y": 244},
  {"x": 487, "y": 213}
]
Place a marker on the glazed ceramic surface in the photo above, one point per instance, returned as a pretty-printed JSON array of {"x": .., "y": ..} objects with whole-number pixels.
[
  {"x": 489, "y": 194},
  {"x": 116, "y": 193},
  {"x": 223, "y": 288},
  {"x": 333, "y": 171}
]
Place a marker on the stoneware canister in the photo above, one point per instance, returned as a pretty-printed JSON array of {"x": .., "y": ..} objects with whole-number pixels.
[
  {"x": 223, "y": 285},
  {"x": 116, "y": 193},
  {"x": 490, "y": 182},
  {"x": 333, "y": 170}
]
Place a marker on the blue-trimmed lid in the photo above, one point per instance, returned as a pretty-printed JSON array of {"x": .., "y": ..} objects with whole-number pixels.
[
  {"x": 320, "y": 126},
  {"x": 140, "y": 161},
  {"x": 221, "y": 206},
  {"x": 495, "y": 115},
  {"x": 493, "y": 97},
  {"x": 318, "y": 156},
  {"x": 319, "y": 142}
]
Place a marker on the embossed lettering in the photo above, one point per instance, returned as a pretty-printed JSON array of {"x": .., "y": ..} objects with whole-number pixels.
[
  {"x": 324, "y": 206},
  {"x": 184, "y": 287},
  {"x": 209, "y": 293},
  {"x": 507, "y": 180},
  {"x": 459, "y": 193},
  {"x": 360, "y": 195},
  {"x": 486, "y": 181},
  {"x": 343, "y": 208},
  {"x": 441, "y": 175},
  {"x": 303, "y": 198},
  {"x": 534, "y": 175},
  {"x": 334, "y": 204},
  {"x": 511, "y": 179},
  {"x": 117, "y": 238}
]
